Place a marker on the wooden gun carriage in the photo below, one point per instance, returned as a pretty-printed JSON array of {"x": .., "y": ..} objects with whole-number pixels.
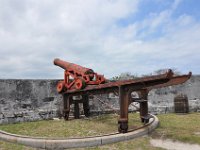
[{"x": 83, "y": 81}]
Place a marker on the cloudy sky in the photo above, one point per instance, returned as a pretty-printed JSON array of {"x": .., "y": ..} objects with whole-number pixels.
[{"x": 109, "y": 36}]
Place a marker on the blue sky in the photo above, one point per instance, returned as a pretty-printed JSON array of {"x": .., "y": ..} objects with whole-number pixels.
[{"x": 109, "y": 36}]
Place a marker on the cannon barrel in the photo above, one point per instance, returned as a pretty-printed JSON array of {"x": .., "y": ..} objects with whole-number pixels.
[{"x": 72, "y": 67}]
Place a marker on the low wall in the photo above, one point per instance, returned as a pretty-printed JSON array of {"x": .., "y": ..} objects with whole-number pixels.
[
  {"x": 29, "y": 100},
  {"x": 162, "y": 100}
]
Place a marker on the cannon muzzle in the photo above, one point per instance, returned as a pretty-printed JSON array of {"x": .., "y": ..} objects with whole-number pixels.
[{"x": 72, "y": 67}]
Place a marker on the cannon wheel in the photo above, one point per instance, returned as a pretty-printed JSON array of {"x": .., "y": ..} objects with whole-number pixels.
[
  {"x": 66, "y": 115},
  {"x": 79, "y": 84},
  {"x": 143, "y": 120},
  {"x": 123, "y": 127},
  {"x": 60, "y": 86}
]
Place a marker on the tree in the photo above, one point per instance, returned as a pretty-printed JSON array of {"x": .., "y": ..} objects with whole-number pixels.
[
  {"x": 125, "y": 76},
  {"x": 162, "y": 71}
]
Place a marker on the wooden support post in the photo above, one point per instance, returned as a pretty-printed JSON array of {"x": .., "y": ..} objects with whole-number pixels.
[
  {"x": 144, "y": 106},
  {"x": 86, "y": 106},
  {"x": 76, "y": 110},
  {"x": 66, "y": 102},
  {"x": 124, "y": 103}
]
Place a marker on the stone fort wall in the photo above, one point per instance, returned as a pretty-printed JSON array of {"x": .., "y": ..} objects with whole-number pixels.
[{"x": 29, "y": 100}]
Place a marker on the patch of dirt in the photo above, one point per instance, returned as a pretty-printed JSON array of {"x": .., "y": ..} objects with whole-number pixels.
[
  {"x": 173, "y": 145},
  {"x": 197, "y": 133},
  {"x": 156, "y": 135}
]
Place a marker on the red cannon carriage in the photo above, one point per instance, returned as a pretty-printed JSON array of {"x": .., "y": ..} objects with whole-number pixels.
[{"x": 77, "y": 77}]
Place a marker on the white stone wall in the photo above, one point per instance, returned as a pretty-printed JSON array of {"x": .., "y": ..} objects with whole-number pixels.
[
  {"x": 161, "y": 100},
  {"x": 28, "y": 100}
]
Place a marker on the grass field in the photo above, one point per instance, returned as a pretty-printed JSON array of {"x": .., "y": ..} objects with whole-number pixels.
[
  {"x": 74, "y": 128},
  {"x": 185, "y": 128},
  {"x": 177, "y": 127}
]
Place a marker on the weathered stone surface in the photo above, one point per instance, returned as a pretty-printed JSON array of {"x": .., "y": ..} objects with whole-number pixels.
[
  {"x": 22, "y": 100},
  {"x": 162, "y": 100},
  {"x": 29, "y": 100}
]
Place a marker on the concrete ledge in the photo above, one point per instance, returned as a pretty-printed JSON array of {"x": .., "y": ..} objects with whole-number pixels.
[{"x": 60, "y": 143}]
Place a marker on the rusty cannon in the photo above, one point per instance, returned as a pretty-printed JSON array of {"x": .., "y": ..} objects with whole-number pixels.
[
  {"x": 81, "y": 81},
  {"x": 77, "y": 77}
]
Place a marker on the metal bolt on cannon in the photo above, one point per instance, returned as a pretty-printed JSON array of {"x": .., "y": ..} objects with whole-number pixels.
[{"x": 81, "y": 81}]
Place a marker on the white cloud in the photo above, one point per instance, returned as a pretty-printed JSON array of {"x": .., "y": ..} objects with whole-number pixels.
[
  {"x": 33, "y": 33},
  {"x": 176, "y": 3}
]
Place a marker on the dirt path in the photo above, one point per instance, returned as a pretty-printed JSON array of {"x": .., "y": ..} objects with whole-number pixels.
[{"x": 173, "y": 145}]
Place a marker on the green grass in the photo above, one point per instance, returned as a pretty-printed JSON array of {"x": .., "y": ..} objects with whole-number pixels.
[
  {"x": 184, "y": 128},
  {"x": 74, "y": 128},
  {"x": 135, "y": 144},
  {"x": 11, "y": 146}
]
